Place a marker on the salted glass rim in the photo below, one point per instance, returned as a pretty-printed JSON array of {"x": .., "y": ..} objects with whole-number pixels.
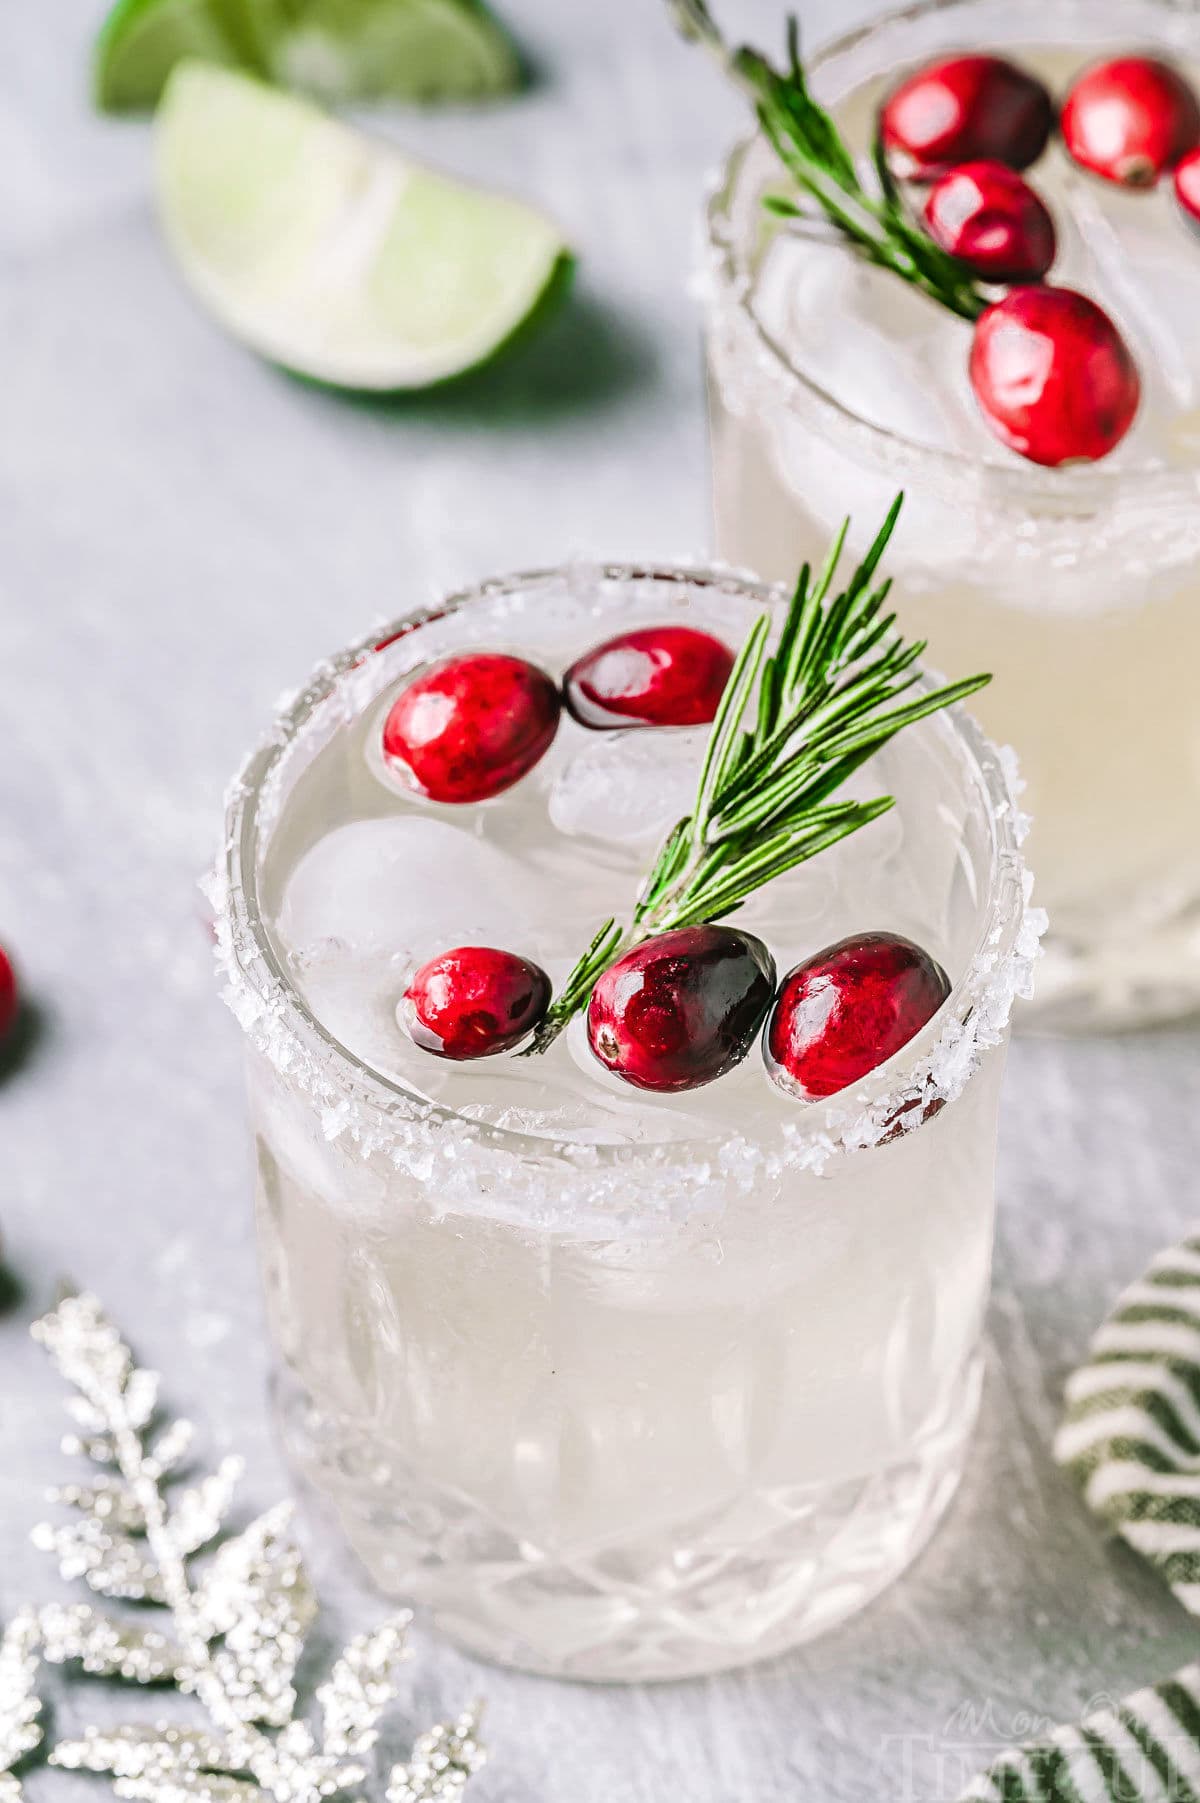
[
  {"x": 275, "y": 1016},
  {"x": 1082, "y": 490}
]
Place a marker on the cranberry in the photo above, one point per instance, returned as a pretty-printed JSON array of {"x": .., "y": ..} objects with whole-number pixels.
[
  {"x": 962, "y": 110},
  {"x": 471, "y": 726},
  {"x": 1187, "y": 188},
  {"x": 657, "y": 676},
  {"x": 989, "y": 217},
  {"x": 682, "y": 1009},
  {"x": 473, "y": 1002},
  {"x": 848, "y": 1009},
  {"x": 9, "y": 1000},
  {"x": 1053, "y": 375},
  {"x": 1130, "y": 120}
]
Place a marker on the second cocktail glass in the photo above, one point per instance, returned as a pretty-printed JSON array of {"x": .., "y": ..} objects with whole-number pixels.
[{"x": 1079, "y": 588}]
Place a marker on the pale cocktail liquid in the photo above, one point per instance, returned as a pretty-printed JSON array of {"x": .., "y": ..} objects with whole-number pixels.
[
  {"x": 1079, "y": 588},
  {"x": 618, "y": 1385}
]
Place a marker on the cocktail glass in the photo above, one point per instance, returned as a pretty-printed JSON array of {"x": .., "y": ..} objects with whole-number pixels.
[
  {"x": 833, "y": 384},
  {"x": 644, "y": 1386}
]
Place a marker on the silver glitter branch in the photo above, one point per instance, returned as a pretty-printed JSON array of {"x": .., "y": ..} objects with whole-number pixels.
[
  {"x": 442, "y": 1762},
  {"x": 237, "y": 1627},
  {"x": 20, "y": 1710}
]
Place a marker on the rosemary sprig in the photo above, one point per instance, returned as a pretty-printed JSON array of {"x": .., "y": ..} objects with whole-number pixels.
[
  {"x": 792, "y": 726},
  {"x": 816, "y": 156}
]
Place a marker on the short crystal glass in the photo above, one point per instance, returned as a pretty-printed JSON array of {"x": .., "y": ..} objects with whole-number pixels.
[
  {"x": 628, "y": 1410},
  {"x": 1080, "y": 587}
]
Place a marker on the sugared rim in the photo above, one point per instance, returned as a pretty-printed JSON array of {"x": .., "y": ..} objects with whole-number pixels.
[
  {"x": 728, "y": 285},
  {"x": 382, "y": 1116}
]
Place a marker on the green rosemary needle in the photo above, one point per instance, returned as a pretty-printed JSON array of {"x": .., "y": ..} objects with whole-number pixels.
[
  {"x": 819, "y": 161},
  {"x": 792, "y": 726}
]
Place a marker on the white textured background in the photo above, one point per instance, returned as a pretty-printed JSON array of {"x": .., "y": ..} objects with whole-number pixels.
[{"x": 182, "y": 533}]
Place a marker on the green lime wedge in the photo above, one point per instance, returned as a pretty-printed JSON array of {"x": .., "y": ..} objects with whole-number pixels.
[
  {"x": 141, "y": 41},
  {"x": 331, "y": 254},
  {"x": 332, "y": 49},
  {"x": 406, "y": 49}
]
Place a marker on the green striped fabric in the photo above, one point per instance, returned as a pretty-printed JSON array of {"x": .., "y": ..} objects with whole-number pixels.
[
  {"x": 1131, "y": 1435},
  {"x": 1132, "y": 1428},
  {"x": 1144, "y": 1750}
]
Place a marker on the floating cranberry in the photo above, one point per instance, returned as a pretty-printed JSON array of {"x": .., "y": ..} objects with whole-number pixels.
[
  {"x": 9, "y": 1000},
  {"x": 680, "y": 1010},
  {"x": 848, "y": 1009},
  {"x": 656, "y": 676},
  {"x": 471, "y": 726},
  {"x": 963, "y": 110},
  {"x": 1130, "y": 120},
  {"x": 473, "y": 1002},
  {"x": 1053, "y": 375},
  {"x": 1187, "y": 188},
  {"x": 989, "y": 217}
]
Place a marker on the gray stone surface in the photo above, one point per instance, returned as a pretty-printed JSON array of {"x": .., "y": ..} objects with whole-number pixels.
[{"x": 182, "y": 532}]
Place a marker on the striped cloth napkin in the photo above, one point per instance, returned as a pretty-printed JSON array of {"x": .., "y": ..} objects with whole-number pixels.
[{"x": 1131, "y": 1435}]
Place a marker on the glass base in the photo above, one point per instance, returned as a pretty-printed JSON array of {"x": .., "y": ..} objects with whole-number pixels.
[{"x": 776, "y": 1568}]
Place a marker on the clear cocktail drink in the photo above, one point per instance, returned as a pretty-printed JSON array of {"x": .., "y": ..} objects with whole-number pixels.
[
  {"x": 1078, "y": 587},
  {"x": 618, "y": 1385}
]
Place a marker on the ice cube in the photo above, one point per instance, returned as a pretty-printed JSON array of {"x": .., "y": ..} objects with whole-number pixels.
[
  {"x": 792, "y": 914},
  {"x": 888, "y": 355},
  {"x": 628, "y": 788},
  {"x": 354, "y": 996},
  {"x": 404, "y": 887},
  {"x": 1132, "y": 257},
  {"x": 873, "y": 848},
  {"x": 854, "y": 329}
]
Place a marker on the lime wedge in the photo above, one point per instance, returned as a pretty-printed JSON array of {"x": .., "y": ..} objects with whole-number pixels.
[
  {"x": 332, "y": 49},
  {"x": 328, "y": 252},
  {"x": 407, "y": 49},
  {"x": 141, "y": 41}
]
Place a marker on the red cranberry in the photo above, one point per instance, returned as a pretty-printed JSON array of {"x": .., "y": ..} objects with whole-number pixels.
[
  {"x": 657, "y": 676},
  {"x": 1187, "y": 188},
  {"x": 471, "y": 726},
  {"x": 847, "y": 1010},
  {"x": 1053, "y": 375},
  {"x": 1130, "y": 120},
  {"x": 473, "y": 1002},
  {"x": 989, "y": 217},
  {"x": 9, "y": 1000},
  {"x": 966, "y": 109},
  {"x": 682, "y": 1009}
]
